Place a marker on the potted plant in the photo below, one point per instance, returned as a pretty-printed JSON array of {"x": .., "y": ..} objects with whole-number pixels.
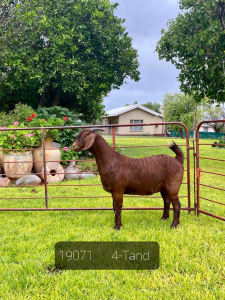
[
  {"x": 20, "y": 141},
  {"x": 51, "y": 153}
]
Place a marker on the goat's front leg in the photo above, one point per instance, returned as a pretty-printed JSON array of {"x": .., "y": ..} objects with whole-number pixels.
[{"x": 117, "y": 207}]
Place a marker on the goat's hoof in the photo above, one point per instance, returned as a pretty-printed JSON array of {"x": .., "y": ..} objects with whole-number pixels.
[
  {"x": 164, "y": 218},
  {"x": 117, "y": 227},
  {"x": 174, "y": 225}
]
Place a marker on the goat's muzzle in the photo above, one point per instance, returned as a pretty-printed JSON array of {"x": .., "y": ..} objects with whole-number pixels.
[{"x": 76, "y": 148}]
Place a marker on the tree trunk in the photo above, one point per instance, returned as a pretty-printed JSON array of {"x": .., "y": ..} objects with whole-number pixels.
[
  {"x": 181, "y": 134},
  {"x": 218, "y": 126},
  {"x": 195, "y": 123},
  {"x": 57, "y": 97},
  {"x": 42, "y": 100}
]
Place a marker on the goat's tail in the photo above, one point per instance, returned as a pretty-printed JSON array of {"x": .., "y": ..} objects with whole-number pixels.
[{"x": 177, "y": 150}]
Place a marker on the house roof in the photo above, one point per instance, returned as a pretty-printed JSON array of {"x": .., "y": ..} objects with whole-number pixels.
[
  {"x": 121, "y": 110},
  {"x": 206, "y": 125}
]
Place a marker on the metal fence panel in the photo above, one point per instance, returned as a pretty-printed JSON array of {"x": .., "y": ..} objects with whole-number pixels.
[
  {"x": 48, "y": 195},
  {"x": 210, "y": 168}
]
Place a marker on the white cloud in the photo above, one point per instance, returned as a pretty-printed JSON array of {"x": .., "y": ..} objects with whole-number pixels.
[{"x": 144, "y": 20}]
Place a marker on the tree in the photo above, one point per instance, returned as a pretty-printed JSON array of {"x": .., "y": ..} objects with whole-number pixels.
[
  {"x": 153, "y": 106},
  {"x": 214, "y": 112},
  {"x": 19, "y": 114},
  {"x": 194, "y": 42},
  {"x": 179, "y": 107},
  {"x": 6, "y": 8},
  {"x": 69, "y": 53},
  {"x": 135, "y": 102}
]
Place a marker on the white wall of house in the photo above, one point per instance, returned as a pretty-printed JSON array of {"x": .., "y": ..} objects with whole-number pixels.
[
  {"x": 134, "y": 116},
  {"x": 108, "y": 121},
  {"x": 206, "y": 129}
]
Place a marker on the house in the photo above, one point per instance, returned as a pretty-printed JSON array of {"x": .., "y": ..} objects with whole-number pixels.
[
  {"x": 132, "y": 114},
  {"x": 206, "y": 128}
]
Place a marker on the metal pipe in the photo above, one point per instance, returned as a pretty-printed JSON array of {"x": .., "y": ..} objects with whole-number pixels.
[
  {"x": 85, "y": 208},
  {"x": 212, "y": 173},
  {"x": 83, "y": 197},
  {"x": 212, "y": 201},
  {"x": 114, "y": 138},
  {"x": 212, "y": 187},
  {"x": 212, "y": 215},
  {"x": 45, "y": 171}
]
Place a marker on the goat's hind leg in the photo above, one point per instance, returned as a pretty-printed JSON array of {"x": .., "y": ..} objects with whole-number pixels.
[
  {"x": 117, "y": 207},
  {"x": 166, "y": 210},
  {"x": 176, "y": 211}
]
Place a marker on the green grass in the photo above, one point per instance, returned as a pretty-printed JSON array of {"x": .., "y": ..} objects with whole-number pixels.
[{"x": 192, "y": 257}]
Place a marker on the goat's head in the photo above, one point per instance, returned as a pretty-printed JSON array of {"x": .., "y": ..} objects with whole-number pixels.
[{"x": 85, "y": 139}]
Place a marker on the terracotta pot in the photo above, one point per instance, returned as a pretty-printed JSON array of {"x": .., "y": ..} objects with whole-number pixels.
[
  {"x": 1, "y": 157},
  {"x": 50, "y": 155},
  {"x": 54, "y": 172},
  {"x": 17, "y": 164}
]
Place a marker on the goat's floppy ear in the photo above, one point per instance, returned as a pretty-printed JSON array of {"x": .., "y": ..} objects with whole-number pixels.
[{"x": 89, "y": 141}]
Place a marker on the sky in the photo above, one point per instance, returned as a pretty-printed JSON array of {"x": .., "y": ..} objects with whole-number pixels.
[{"x": 144, "y": 21}]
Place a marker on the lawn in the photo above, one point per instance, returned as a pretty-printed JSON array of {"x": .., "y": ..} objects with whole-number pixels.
[{"x": 192, "y": 257}]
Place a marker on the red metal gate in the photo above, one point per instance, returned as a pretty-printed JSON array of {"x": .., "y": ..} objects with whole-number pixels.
[
  {"x": 48, "y": 199},
  {"x": 210, "y": 167}
]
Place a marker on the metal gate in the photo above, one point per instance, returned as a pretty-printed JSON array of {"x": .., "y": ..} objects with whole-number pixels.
[
  {"x": 46, "y": 197},
  {"x": 210, "y": 167}
]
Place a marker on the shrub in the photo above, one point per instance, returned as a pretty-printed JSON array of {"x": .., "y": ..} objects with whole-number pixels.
[
  {"x": 35, "y": 121},
  {"x": 19, "y": 114},
  {"x": 87, "y": 166},
  {"x": 66, "y": 136},
  {"x": 222, "y": 141},
  {"x": 19, "y": 139},
  {"x": 68, "y": 155}
]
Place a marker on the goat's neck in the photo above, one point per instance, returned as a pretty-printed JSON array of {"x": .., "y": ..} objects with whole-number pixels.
[{"x": 103, "y": 153}]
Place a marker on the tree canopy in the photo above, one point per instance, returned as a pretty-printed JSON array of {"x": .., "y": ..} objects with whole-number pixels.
[
  {"x": 214, "y": 112},
  {"x": 63, "y": 52},
  {"x": 153, "y": 106},
  {"x": 150, "y": 105},
  {"x": 194, "y": 42},
  {"x": 179, "y": 107}
]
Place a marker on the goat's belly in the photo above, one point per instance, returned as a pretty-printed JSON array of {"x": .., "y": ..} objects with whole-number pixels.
[
  {"x": 143, "y": 190},
  {"x": 106, "y": 189},
  {"x": 139, "y": 191}
]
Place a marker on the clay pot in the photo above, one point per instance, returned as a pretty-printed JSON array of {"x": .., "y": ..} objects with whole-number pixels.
[
  {"x": 50, "y": 155},
  {"x": 54, "y": 172},
  {"x": 1, "y": 157},
  {"x": 5, "y": 181},
  {"x": 17, "y": 164}
]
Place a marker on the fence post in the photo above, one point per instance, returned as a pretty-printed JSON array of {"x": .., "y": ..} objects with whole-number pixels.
[
  {"x": 188, "y": 170},
  {"x": 114, "y": 138},
  {"x": 45, "y": 171}
]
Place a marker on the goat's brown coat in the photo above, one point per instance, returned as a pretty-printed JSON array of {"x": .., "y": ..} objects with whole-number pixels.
[{"x": 145, "y": 176}]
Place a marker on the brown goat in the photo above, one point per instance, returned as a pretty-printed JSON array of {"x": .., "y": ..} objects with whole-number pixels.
[{"x": 137, "y": 176}]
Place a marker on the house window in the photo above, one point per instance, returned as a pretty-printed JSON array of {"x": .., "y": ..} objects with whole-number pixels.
[
  {"x": 115, "y": 122},
  {"x": 206, "y": 129},
  {"x": 107, "y": 129},
  {"x": 136, "y": 128}
]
